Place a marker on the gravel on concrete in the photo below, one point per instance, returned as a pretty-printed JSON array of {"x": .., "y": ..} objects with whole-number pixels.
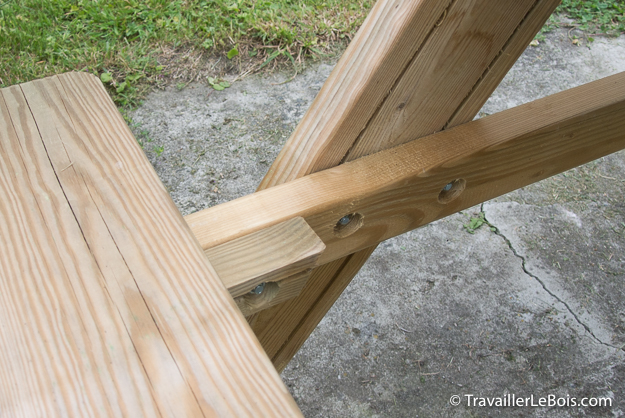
[{"x": 530, "y": 304}]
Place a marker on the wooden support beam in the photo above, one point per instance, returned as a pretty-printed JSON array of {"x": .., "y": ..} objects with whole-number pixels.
[
  {"x": 413, "y": 68},
  {"x": 400, "y": 189},
  {"x": 108, "y": 306},
  {"x": 437, "y": 62},
  {"x": 394, "y": 191},
  {"x": 281, "y": 257}
]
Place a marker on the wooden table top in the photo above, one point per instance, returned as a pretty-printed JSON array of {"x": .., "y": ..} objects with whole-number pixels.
[{"x": 108, "y": 306}]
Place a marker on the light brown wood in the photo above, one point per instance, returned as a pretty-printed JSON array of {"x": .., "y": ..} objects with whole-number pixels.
[
  {"x": 400, "y": 189},
  {"x": 328, "y": 132},
  {"x": 274, "y": 293},
  {"x": 501, "y": 64},
  {"x": 282, "y": 256},
  {"x": 433, "y": 86},
  {"x": 289, "y": 315},
  {"x": 109, "y": 306},
  {"x": 393, "y": 33}
]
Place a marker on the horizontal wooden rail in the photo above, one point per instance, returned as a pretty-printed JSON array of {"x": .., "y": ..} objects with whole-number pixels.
[
  {"x": 279, "y": 258},
  {"x": 413, "y": 68},
  {"x": 359, "y": 204}
]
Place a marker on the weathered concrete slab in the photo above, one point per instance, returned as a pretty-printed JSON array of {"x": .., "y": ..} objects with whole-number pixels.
[{"x": 531, "y": 303}]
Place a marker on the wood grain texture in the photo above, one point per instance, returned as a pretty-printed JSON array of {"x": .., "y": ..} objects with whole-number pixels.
[
  {"x": 502, "y": 62},
  {"x": 321, "y": 296},
  {"x": 400, "y": 189},
  {"x": 108, "y": 305},
  {"x": 309, "y": 149},
  {"x": 387, "y": 41},
  {"x": 273, "y": 294},
  {"x": 448, "y": 65},
  {"x": 282, "y": 256}
]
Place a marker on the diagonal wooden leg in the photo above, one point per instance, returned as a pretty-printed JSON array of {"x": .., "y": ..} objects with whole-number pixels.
[
  {"x": 302, "y": 318},
  {"x": 413, "y": 69}
]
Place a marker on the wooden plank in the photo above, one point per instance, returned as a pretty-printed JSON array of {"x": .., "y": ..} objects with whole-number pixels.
[
  {"x": 450, "y": 62},
  {"x": 386, "y": 43},
  {"x": 281, "y": 256},
  {"x": 501, "y": 64},
  {"x": 318, "y": 144},
  {"x": 273, "y": 293},
  {"x": 271, "y": 254},
  {"x": 282, "y": 315},
  {"x": 109, "y": 306},
  {"x": 402, "y": 188},
  {"x": 382, "y": 95}
]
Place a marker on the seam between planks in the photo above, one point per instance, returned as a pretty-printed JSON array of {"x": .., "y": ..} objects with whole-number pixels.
[
  {"x": 35, "y": 314},
  {"x": 409, "y": 63},
  {"x": 185, "y": 293},
  {"x": 51, "y": 234},
  {"x": 128, "y": 332},
  {"x": 493, "y": 62},
  {"x": 71, "y": 286},
  {"x": 86, "y": 241},
  {"x": 147, "y": 306}
]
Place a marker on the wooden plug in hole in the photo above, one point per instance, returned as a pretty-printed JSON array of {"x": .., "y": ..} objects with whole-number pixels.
[
  {"x": 348, "y": 224},
  {"x": 451, "y": 191}
]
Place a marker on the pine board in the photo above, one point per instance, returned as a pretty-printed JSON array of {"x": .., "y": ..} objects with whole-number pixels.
[
  {"x": 396, "y": 52},
  {"x": 108, "y": 304}
]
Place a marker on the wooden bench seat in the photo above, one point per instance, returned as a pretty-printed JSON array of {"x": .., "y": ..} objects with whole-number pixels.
[{"x": 108, "y": 306}]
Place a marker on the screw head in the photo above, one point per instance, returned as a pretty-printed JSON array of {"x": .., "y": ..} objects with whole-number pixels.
[
  {"x": 451, "y": 191},
  {"x": 258, "y": 289},
  {"x": 345, "y": 220}
]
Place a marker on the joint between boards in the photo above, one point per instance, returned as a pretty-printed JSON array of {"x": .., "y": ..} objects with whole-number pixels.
[
  {"x": 451, "y": 121},
  {"x": 347, "y": 156}
]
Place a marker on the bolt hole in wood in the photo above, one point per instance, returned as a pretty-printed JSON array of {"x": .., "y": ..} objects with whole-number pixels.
[
  {"x": 348, "y": 224},
  {"x": 258, "y": 298},
  {"x": 451, "y": 191}
]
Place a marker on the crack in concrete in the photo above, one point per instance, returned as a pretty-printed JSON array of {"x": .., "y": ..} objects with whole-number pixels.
[{"x": 524, "y": 267}]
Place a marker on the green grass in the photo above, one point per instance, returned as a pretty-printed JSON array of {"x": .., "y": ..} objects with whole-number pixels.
[
  {"x": 593, "y": 17},
  {"x": 124, "y": 41},
  {"x": 596, "y": 16}
]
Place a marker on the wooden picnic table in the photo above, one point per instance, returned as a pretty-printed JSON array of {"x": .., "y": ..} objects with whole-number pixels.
[{"x": 109, "y": 301}]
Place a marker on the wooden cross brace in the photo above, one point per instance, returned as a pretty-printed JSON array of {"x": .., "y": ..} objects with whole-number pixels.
[
  {"x": 108, "y": 303},
  {"x": 414, "y": 68}
]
